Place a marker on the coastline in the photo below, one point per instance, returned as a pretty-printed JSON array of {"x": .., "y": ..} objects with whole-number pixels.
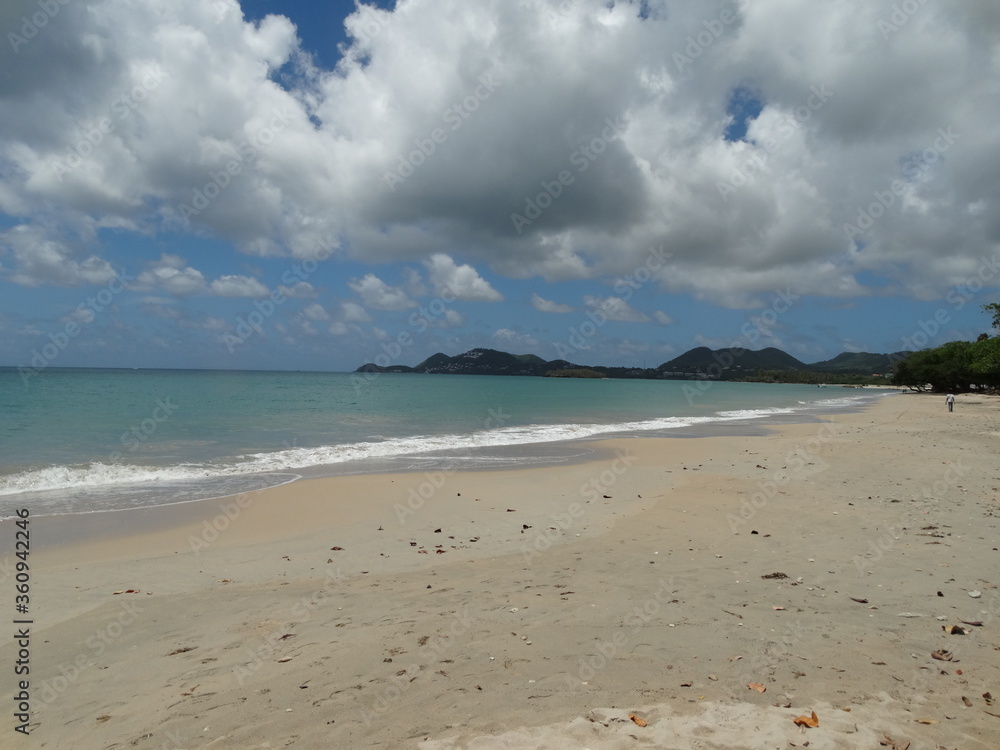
[
  {"x": 656, "y": 586},
  {"x": 55, "y": 478}
]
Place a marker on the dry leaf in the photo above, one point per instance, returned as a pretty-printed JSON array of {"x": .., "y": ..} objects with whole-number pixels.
[
  {"x": 128, "y": 591},
  {"x": 282, "y": 661},
  {"x": 988, "y": 697},
  {"x": 776, "y": 608},
  {"x": 966, "y": 701},
  {"x": 182, "y": 650},
  {"x": 103, "y": 719},
  {"x": 928, "y": 721},
  {"x": 953, "y": 629},
  {"x": 639, "y": 722},
  {"x": 941, "y": 655},
  {"x": 756, "y": 686},
  {"x": 225, "y": 580},
  {"x": 859, "y": 601},
  {"x": 807, "y": 721},
  {"x": 973, "y": 623}
]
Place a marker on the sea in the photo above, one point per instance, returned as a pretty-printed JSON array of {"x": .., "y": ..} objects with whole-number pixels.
[{"x": 96, "y": 440}]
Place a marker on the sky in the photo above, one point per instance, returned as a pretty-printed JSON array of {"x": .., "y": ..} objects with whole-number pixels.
[{"x": 313, "y": 186}]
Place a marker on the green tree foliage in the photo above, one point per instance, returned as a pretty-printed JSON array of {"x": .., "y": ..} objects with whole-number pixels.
[
  {"x": 985, "y": 361},
  {"x": 993, "y": 308},
  {"x": 955, "y": 366}
]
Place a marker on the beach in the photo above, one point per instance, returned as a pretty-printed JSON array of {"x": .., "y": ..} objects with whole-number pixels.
[{"x": 624, "y": 601}]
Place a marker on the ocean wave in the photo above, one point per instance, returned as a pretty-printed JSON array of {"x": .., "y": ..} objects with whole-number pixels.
[{"x": 98, "y": 474}]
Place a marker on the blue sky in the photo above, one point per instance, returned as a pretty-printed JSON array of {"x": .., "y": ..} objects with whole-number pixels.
[{"x": 284, "y": 185}]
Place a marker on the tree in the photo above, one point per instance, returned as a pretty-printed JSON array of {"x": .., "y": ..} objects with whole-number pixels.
[{"x": 993, "y": 308}]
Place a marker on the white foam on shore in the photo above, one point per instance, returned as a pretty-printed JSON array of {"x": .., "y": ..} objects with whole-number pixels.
[{"x": 98, "y": 474}]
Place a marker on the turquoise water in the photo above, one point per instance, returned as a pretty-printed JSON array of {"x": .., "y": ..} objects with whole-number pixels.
[{"x": 83, "y": 440}]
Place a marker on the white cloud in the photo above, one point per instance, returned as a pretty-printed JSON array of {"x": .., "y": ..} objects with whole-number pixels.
[
  {"x": 40, "y": 260},
  {"x": 379, "y": 295},
  {"x": 238, "y": 286},
  {"x": 316, "y": 312},
  {"x": 547, "y": 306},
  {"x": 301, "y": 290},
  {"x": 461, "y": 281},
  {"x": 662, "y": 318},
  {"x": 171, "y": 274},
  {"x": 216, "y": 325},
  {"x": 313, "y": 147},
  {"x": 614, "y": 308},
  {"x": 517, "y": 340},
  {"x": 352, "y": 312}
]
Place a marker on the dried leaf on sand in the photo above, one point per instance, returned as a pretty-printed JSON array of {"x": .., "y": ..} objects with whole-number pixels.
[{"x": 807, "y": 721}]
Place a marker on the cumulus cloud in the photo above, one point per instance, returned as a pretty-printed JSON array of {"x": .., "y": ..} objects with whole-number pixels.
[
  {"x": 461, "y": 281},
  {"x": 547, "y": 306},
  {"x": 352, "y": 312},
  {"x": 614, "y": 308},
  {"x": 662, "y": 318},
  {"x": 238, "y": 286},
  {"x": 517, "y": 340},
  {"x": 380, "y": 296},
  {"x": 301, "y": 290},
  {"x": 860, "y": 158},
  {"x": 315, "y": 312},
  {"x": 41, "y": 260},
  {"x": 171, "y": 274}
]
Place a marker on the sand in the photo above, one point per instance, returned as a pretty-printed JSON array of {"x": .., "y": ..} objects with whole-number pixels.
[{"x": 543, "y": 608}]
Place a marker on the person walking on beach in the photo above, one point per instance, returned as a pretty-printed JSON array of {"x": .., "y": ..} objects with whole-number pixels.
[{"x": 950, "y": 400}]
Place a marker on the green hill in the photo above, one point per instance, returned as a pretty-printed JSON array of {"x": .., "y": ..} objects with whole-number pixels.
[{"x": 705, "y": 360}]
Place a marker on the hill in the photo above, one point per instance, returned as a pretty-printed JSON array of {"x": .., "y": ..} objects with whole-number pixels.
[
  {"x": 766, "y": 365},
  {"x": 859, "y": 363},
  {"x": 705, "y": 360}
]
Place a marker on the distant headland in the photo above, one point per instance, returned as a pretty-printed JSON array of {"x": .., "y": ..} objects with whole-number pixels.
[{"x": 766, "y": 365}]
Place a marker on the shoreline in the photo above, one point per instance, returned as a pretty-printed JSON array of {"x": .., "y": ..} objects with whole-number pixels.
[
  {"x": 637, "y": 584},
  {"x": 551, "y": 452}
]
